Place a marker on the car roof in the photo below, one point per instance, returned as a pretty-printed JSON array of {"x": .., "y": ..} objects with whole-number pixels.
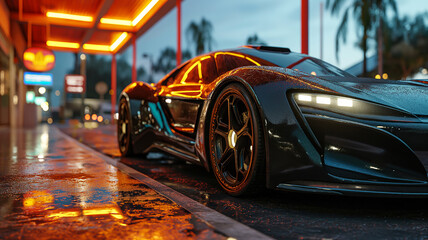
[
  {"x": 263, "y": 52},
  {"x": 270, "y": 54}
]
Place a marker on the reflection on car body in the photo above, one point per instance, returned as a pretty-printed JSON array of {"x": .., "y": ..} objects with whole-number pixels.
[{"x": 260, "y": 116}]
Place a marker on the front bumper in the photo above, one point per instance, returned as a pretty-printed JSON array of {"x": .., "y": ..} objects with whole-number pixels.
[{"x": 384, "y": 152}]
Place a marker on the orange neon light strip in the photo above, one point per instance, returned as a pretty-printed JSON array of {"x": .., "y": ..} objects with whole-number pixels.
[
  {"x": 116, "y": 21},
  {"x": 144, "y": 12},
  {"x": 118, "y": 41},
  {"x": 69, "y": 16},
  {"x": 229, "y": 53},
  {"x": 253, "y": 61},
  {"x": 198, "y": 63},
  {"x": 106, "y": 48},
  {"x": 96, "y": 47},
  {"x": 62, "y": 44},
  {"x": 187, "y": 85},
  {"x": 237, "y": 55},
  {"x": 135, "y": 21},
  {"x": 185, "y": 94},
  {"x": 183, "y": 80},
  {"x": 203, "y": 58}
]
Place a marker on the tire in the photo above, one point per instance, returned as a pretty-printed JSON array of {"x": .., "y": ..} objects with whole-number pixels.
[
  {"x": 236, "y": 146},
  {"x": 124, "y": 137}
]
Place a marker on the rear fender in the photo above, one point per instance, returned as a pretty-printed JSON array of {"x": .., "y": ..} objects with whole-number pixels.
[
  {"x": 141, "y": 91},
  {"x": 138, "y": 95}
]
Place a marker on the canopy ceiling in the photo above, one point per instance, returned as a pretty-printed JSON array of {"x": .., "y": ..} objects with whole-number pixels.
[{"x": 91, "y": 26}]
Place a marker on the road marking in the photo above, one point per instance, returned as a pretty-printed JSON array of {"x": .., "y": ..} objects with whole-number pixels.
[{"x": 220, "y": 222}]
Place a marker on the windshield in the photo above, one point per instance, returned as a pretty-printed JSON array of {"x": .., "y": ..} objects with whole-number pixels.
[
  {"x": 316, "y": 67},
  {"x": 298, "y": 62}
]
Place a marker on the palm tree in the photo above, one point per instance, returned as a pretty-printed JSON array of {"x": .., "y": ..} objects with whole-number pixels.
[
  {"x": 368, "y": 15},
  {"x": 406, "y": 48},
  {"x": 200, "y": 35},
  {"x": 255, "y": 40},
  {"x": 167, "y": 59}
]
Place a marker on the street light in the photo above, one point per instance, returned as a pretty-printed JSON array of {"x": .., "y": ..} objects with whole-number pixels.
[
  {"x": 150, "y": 57},
  {"x": 42, "y": 90}
]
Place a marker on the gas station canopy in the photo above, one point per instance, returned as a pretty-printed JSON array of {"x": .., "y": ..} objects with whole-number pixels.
[{"x": 90, "y": 26}]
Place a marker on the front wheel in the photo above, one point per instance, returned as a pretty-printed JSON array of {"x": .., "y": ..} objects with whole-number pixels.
[
  {"x": 236, "y": 143},
  {"x": 124, "y": 129}
]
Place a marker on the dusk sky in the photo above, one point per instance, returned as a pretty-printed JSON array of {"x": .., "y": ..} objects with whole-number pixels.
[{"x": 276, "y": 22}]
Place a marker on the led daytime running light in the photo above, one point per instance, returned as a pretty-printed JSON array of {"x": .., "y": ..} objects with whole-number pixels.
[{"x": 323, "y": 99}]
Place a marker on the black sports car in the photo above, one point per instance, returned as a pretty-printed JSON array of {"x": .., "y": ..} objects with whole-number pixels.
[{"x": 260, "y": 117}]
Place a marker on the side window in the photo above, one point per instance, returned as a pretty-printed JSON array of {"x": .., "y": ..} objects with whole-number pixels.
[
  {"x": 227, "y": 61},
  {"x": 209, "y": 70},
  {"x": 200, "y": 70},
  {"x": 172, "y": 76}
]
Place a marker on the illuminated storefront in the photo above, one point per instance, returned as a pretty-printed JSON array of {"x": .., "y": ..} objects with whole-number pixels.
[{"x": 101, "y": 27}]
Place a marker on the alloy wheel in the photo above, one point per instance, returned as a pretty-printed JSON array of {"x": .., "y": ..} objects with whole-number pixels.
[{"x": 232, "y": 140}]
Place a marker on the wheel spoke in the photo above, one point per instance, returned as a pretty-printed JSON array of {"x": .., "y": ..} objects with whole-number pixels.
[
  {"x": 221, "y": 133},
  {"x": 245, "y": 134},
  {"x": 222, "y": 118},
  {"x": 244, "y": 165},
  {"x": 235, "y": 153},
  {"x": 229, "y": 125},
  {"x": 224, "y": 160},
  {"x": 121, "y": 137},
  {"x": 222, "y": 125},
  {"x": 235, "y": 114},
  {"x": 244, "y": 130}
]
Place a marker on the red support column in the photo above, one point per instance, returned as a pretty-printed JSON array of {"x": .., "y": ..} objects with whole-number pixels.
[
  {"x": 134, "y": 59},
  {"x": 304, "y": 22},
  {"x": 113, "y": 87},
  {"x": 178, "y": 56}
]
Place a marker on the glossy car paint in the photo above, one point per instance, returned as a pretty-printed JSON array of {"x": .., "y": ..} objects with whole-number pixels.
[{"x": 307, "y": 149}]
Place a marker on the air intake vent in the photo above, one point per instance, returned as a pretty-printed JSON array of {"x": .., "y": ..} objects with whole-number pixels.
[{"x": 268, "y": 48}]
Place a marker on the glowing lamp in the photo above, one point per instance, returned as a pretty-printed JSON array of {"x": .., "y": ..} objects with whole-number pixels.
[
  {"x": 62, "y": 44},
  {"x": 304, "y": 98},
  {"x": 116, "y": 21},
  {"x": 69, "y": 16},
  {"x": 96, "y": 47},
  {"x": 385, "y": 76},
  {"x": 323, "y": 100},
  {"x": 144, "y": 12},
  {"x": 344, "y": 102},
  {"x": 118, "y": 41}
]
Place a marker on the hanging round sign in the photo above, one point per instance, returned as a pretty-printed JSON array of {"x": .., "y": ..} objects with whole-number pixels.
[{"x": 39, "y": 59}]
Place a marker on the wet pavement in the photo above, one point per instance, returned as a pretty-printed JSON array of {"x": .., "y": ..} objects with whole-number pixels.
[
  {"x": 282, "y": 215},
  {"x": 51, "y": 188}
]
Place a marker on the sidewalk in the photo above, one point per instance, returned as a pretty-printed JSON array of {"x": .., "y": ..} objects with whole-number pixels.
[{"x": 52, "y": 188}]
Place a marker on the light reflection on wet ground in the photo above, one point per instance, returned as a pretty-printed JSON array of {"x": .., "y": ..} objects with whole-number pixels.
[
  {"x": 53, "y": 189},
  {"x": 281, "y": 215}
]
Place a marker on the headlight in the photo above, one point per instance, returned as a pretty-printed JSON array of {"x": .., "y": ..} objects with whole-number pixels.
[{"x": 311, "y": 102}]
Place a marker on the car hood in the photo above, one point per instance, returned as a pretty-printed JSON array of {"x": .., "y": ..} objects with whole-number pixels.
[{"x": 404, "y": 95}]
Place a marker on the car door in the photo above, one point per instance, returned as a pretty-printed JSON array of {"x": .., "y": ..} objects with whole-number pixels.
[{"x": 180, "y": 93}]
